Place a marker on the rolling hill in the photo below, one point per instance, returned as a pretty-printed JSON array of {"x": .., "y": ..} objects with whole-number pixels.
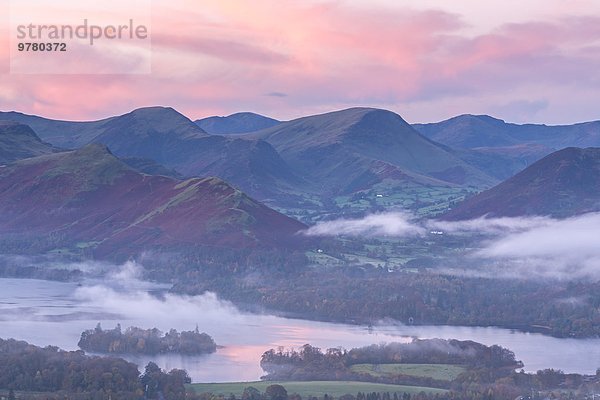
[
  {"x": 18, "y": 141},
  {"x": 242, "y": 122},
  {"x": 562, "y": 184},
  {"x": 89, "y": 197}
]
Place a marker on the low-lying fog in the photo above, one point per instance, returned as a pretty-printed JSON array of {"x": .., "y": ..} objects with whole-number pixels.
[
  {"x": 511, "y": 247},
  {"x": 53, "y": 313}
]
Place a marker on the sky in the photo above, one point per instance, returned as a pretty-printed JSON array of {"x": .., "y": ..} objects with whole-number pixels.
[{"x": 428, "y": 60}]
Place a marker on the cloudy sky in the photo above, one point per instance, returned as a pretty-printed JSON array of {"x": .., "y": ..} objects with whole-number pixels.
[{"x": 519, "y": 60}]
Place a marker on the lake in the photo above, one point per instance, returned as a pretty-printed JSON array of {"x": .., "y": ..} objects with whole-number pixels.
[{"x": 54, "y": 313}]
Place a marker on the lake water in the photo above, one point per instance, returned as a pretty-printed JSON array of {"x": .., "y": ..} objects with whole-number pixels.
[{"x": 53, "y": 313}]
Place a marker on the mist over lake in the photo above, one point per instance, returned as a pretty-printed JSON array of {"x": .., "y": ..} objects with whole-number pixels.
[{"x": 53, "y": 313}]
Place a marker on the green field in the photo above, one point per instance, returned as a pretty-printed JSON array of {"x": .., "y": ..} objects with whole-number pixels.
[
  {"x": 310, "y": 388},
  {"x": 442, "y": 372}
]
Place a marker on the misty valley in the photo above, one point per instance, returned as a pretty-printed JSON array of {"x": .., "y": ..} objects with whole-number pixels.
[
  {"x": 54, "y": 313},
  {"x": 349, "y": 253}
]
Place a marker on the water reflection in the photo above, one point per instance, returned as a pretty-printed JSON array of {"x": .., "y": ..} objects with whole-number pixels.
[{"x": 52, "y": 313}]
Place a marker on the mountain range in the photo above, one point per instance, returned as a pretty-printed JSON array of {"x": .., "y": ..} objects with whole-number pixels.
[
  {"x": 298, "y": 164},
  {"x": 349, "y": 161},
  {"x": 502, "y": 149},
  {"x": 147, "y": 127},
  {"x": 166, "y": 137}
]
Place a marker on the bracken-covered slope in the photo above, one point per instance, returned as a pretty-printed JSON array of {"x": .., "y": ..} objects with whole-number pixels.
[
  {"x": 18, "y": 141},
  {"x": 89, "y": 196},
  {"x": 562, "y": 184},
  {"x": 163, "y": 135},
  {"x": 242, "y": 122}
]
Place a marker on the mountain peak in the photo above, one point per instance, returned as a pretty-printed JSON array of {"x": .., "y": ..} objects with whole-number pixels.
[
  {"x": 242, "y": 122},
  {"x": 333, "y": 126},
  {"x": 348, "y": 140},
  {"x": 155, "y": 110},
  {"x": 161, "y": 117},
  {"x": 479, "y": 117},
  {"x": 468, "y": 131}
]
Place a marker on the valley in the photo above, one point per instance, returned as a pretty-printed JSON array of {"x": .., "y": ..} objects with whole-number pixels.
[
  {"x": 340, "y": 230},
  {"x": 300, "y": 200}
]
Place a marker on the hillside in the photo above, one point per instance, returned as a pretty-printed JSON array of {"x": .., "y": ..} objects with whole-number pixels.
[
  {"x": 562, "y": 184},
  {"x": 242, "y": 122},
  {"x": 469, "y": 131},
  {"x": 502, "y": 149},
  {"x": 502, "y": 162},
  {"x": 473, "y": 131},
  {"x": 18, "y": 141},
  {"x": 89, "y": 196},
  {"x": 149, "y": 125},
  {"x": 156, "y": 133},
  {"x": 354, "y": 149},
  {"x": 159, "y": 135}
]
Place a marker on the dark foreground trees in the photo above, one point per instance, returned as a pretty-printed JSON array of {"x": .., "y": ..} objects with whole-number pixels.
[{"x": 24, "y": 367}]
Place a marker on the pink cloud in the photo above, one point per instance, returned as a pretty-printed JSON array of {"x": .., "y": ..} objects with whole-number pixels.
[
  {"x": 226, "y": 55},
  {"x": 4, "y": 39},
  {"x": 223, "y": 49}
]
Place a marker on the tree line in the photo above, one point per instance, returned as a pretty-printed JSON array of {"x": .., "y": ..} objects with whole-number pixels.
[
  {"x": 366, "y": 295},
  {"x": 311, "y": 363}
]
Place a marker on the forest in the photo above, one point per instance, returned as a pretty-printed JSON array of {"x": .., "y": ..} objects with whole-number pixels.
[
  {"x": 146, "y": 341},
  {"x": 258, "y": 279},
  {"x": 25, "y": 367},
  {"x": 366, "y": 294}
]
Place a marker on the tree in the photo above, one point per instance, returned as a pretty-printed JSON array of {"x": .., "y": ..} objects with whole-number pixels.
[
  {"x": 151, "y": 380},
  {"x": 251, "y": 393},
  {"x": 276, "y": 392}
]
